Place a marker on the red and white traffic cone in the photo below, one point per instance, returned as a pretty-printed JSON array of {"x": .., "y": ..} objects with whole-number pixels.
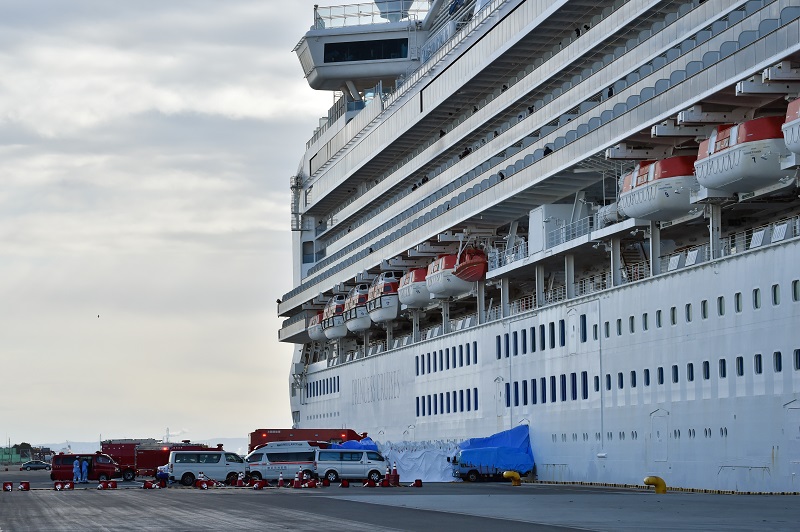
[
  {"x": 385, "y": 479},
  {"x": 395, "y": 480},
  {"x": 280, "y": 480},
  {"x": 296, "y": 483}
]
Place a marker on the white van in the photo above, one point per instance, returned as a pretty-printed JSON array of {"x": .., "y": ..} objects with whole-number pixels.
[
  {"x": 186, "y": 466},
  {"x": 334, "y": 464},
  {"x": 274, "y": 458}
]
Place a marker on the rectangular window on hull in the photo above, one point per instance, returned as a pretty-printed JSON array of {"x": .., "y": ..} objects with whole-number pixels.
[
  {"x": 553, "y": 391},
  {"x": 597, "y": 383},
  {"x": 660, "y": 373},
  {"x": 573, "y": 388},
  {"x": 562, "y": 333},
  {"x": 543, "y": 382},
  {"x": 633, "y": 379},
  {"x": 525, "y": 392},
  {"x": 475, "y": 398},
  {"x": 563, "y": 387},
  {"x": 417, "y": 406},
  {"x": 674, "y": 373},
  {"x": 739, "y": 366},
  {"x": 447, "y": 396},
  {"x": 533, "y": 339},
  {"x": 534, "y": 397},
  {"x": 721, "y": 306},
  {"x": 524, "y": 342},
  {"x": 461, "y": 400},
  {"x": 469, "y": 404},
  {"x": 474, "y": 352},
  {"x": 584, "y": 385},
  {"x": 777, "y": 362},
  {"x": 583, "y": 328},
  {"x": 757, "y": 365},
  {"x": 515, "y": 338},
  {"x": 647, "y": 377},
  {"x": 375, "y": 50},
  {"x": 706, "y": 370},
  {"x": 508, "y": 395},
  {"x": 516, "y": 393},
  {"x": 499, "y": 354},
  {"x": 723, "y": 371},
  {"x": 690, "y": 372},
  {"x": 505, "y": 339},
  {"x": 552, "y": 335},
  {"x": 542, "y": 338}
]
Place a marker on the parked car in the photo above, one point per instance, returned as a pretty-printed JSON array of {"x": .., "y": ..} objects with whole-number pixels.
[{"x": 34, "y": 464}]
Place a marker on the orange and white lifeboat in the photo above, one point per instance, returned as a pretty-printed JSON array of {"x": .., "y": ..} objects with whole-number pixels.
[
  {"x": 441, "y": 279},
  {"x": 413, "y": 291},
  {"x": 658, "y": 190},
  {"x": 472, "y": 265},
  {"x": 333, "y": 318},
  {"x": 742, "y": 157},
  {"x": 356, "y": 317},
  {"x": 315, "y": 331},
  {"x": 383, "y": 303},
  {"x": 791, "y": 127}
]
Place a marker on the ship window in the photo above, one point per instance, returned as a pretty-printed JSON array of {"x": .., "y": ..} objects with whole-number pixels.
[
  {"x": 704, "y": 309},
  {"x": 673, "y": 315},
  {"x": 430, "y": 412},
  {"x": 608, "y": 381},
  {"x": 447, "y": 401},
  {"x": 688, "y": 312},
  {"x": 594, "y": 331},
  {"x": 417, "y": 406},
  {"x": 506, "y": 341},
  {"x": 542, "y": 338},
  {"x": 596, "y": 383},
  {"x": 455, "y": 402},
  {"x": 474, "y": 352},
  {"x": 573, "y": 377},
  {"x": 416, "y": 360},
  {"x": 631, "y": 324},
  {"x": 434, "y": 360},
  {"x": 584, "y": 385},
  {"x": 525, "y": 392},
  {"x": 756, "y": 298},
  {"x": 563, "y": 380},
  {"x": 777, "y": 361},
  {"x": 524, "y": 341},
  {"x": 475, "y": 398},
  {"x": 447, "y": 357},
  {"x": 647, "y": 377},
  {"x": 633, "y": 379},
  {"x": 776, "y": 294},
  {"x": 498, "y": 346},
  {"x": 441, "y": 402},
  {"x": 619, "y": 380},
  {"x": 737, "y": 302},
  {"x": 428, "y": 360},
  {"x": 543, "y": 382},
  {"x": 508, "y": 395},
  {"x": 461, "y": 400},
  {"x": 658, "y": 318},
  {"x": 723, "y": 370},
  {"x": 660, "y": 375},
  {"x": 461, "y": 359},
  {"x": 607, "y": 329},
  {"x": 454, "y": 358},
  {"x": 757, "y": 366},
  {"x": 377, "y": 50},
  {"x": 740, "y": 366},
  {"x": 583, "y": 328},
  {"x": 562, "y": 333},
  {"x": 644, "y": 321},
  {"x": 552, "y": 335},
  {"x": 619, "y": 326},
  {"x": 423, "y": 406},
  {"x": 690, "y": 372},
  {"x": 516, "y": 393},
  {"x": 515, "y": 338},
  {"x": 721, "y": 305},
  {"x": 533, "y": 339},
  {"x": 441, "y": 360},
  {"x": 706, "y": 370},
  {"x": 796, "y": 290},
  {"x": 435, "y": 404},
  {"x": 534, "y": 398},
  {"x": 461, "y": 353},
  {"x": 469, "y": 406},
  {"x": 674, "y": 373},
  {"x": 553, "y": 396}
]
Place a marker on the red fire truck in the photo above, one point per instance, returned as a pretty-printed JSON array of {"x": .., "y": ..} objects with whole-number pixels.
[
  {"x": 141, "y": 458},
  {"x": 260, "y": 437}
]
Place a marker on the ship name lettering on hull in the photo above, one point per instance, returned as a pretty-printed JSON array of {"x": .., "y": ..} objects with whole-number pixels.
[{"x": 380, "y": 387}]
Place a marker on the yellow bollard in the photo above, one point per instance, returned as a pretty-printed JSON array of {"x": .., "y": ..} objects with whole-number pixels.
[
  {"x": 658, "y": 482},
  {"x": 514, "y": 476}
]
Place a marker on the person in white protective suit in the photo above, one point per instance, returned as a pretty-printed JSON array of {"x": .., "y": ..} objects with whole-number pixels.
[
  {"x": 85, "y": 471},
  {"x": 76, "y": 469}
]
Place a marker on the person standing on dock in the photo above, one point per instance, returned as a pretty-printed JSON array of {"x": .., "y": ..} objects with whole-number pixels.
[{"x": 85, "y": 471}]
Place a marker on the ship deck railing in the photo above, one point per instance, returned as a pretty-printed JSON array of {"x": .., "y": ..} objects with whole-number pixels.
[{"x": 366, "y": 13}]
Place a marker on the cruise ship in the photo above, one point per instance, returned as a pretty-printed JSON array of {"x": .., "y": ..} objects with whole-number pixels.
[{"x": 581, "y": 216}]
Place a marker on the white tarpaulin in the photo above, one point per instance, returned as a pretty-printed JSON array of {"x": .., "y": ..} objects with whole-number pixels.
[{"x": 424, "y": 460}]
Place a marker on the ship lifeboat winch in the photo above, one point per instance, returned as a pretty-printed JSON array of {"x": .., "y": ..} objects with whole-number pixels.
[
  {"x": 315, "y": 331},
  {"x": 356, "y": 317},
  {"x": 658, "y": 190},
  {"x": 743, "y": 157},
  {"x": 333, "y": 318},
  {"x": 383, "y": 303},
  {"x": 442, "y": 281},
  {"x": 413, "y": 290}
]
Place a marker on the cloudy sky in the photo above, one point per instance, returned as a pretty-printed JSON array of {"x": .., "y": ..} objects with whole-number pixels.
[{"x": 145, "y": 154}]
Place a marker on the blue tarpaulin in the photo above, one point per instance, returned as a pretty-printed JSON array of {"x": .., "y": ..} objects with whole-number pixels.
[
  {"x": 364, "y": 445},
  {"x": 507, "y": 450}
]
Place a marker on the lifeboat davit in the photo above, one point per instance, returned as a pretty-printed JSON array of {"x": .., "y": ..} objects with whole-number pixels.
[
  {"x": 413, "y": 290},
  {"x": 383, "y": 303},
  {"x": 472, "y": 265},
  {"x": 441, "y": 280},
  {"x": 315, "y": 331},
  {"x": 743, "y": 157},
  {"x": 356, "y": 317},
  {"x": 658, "y": 190},
  {"x": 791, "y": 127},
  {"x": 333, "y": 318}
]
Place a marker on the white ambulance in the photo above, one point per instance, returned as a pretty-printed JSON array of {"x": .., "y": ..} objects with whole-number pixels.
[{"x": 287, "y": 457}]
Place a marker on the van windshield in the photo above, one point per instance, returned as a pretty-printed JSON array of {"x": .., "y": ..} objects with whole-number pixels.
[{"x": 255, "y": 457}]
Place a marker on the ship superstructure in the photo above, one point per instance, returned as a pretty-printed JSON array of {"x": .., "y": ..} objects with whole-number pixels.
[{"x": 581, "y": 216}]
